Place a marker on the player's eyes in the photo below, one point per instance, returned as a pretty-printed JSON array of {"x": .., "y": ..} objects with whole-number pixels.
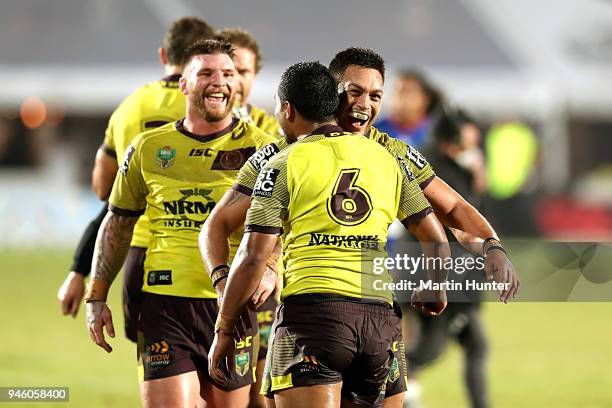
[
  {"x": 354, "y": 93},
  {"x": 376, "y": 98}
]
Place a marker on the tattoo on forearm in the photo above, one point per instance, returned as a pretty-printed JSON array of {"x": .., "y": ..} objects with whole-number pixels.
[{"x": 112, "y": 246}]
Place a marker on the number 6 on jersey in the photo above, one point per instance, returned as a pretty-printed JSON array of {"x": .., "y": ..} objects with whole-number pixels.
[{"x": 349, "y": 204}]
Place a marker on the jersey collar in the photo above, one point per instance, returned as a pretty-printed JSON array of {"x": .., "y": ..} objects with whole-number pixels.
[{"x": 180, "y": 126}]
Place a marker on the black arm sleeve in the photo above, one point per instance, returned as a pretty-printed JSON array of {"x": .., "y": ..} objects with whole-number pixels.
[{"x": 83, "y": 255}]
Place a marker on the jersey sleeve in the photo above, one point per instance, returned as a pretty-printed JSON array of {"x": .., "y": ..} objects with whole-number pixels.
[
  {"x": 110, "y": 145},
  {"x": 413, "y": 205},
  {"x": 418, "y": 165},
  {"x": 247, "y": 176},
  {"x": 246, "y": 179},
  {"x": 128, "y": 197},
  {"x": 270, "y": 201}
]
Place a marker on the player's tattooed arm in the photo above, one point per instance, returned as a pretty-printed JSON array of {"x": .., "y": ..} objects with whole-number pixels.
[{"x": 112, "y": 246}]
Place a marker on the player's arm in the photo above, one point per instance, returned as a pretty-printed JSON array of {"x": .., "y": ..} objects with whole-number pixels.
[
  {"x": 104, "y": 171},
  {"x": 263, "y": 226},
  {"x": 227, "y": 217},
  {"x": 127, "y": 203},
  {"x": 418, "y": 217},
  {"x": 455, "y": 212},
  {"x": 112, "y": 247},
  {"x": 70, "y": 294}
]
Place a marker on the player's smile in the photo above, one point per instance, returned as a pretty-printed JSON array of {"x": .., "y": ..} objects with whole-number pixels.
[{"x": 216, "y": 100}]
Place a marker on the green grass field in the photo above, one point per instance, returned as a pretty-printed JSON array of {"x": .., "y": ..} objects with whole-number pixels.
[{"x": 542, "y": 355}]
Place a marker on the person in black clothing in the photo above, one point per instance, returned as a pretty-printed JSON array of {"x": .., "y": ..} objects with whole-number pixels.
[{"x": 457, "y": 159}]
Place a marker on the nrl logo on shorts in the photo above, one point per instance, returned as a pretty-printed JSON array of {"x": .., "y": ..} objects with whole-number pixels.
[
  {"x": 165, "y": 157},
  {"x": 394, "y": 371},
  {"x": 243, "y": 363}
]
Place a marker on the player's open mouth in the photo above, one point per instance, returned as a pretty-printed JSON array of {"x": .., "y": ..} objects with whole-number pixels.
[
  {"x": 216, "y": 98},
  {"x": 360, "y": 118}
]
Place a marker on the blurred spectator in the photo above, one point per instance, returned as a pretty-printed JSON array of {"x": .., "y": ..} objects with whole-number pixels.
[
  {"x": 414, "y": 102},
  {"x": 457, "y": 159}
]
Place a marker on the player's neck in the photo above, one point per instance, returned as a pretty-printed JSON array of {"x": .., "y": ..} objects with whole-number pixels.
[
  {"x": 196, "y": 124},
  {"x": 172, "y": 70},
  {"x": 309, "y": 127}
]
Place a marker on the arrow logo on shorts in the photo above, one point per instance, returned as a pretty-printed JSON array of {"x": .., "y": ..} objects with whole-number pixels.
[{"x": 160, "y": 347}]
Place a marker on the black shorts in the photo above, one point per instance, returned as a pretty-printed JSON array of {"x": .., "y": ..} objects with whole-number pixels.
[
  {"x": 327, "y": 342},
  {"x": 175, "y": 334},
  {"x": 265, "y": 319},
  {"x": 133, "y": 273}
]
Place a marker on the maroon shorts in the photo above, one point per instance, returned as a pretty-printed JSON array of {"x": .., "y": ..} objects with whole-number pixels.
[
  {"x": 133, "y": 272},
  {"x": 265, "y": 319},
  {"x": 175, "y": 334},
  {"x": 317, "y": 340}
]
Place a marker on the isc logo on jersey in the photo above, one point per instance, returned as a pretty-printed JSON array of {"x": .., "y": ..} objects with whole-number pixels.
[{"x": 265, "y": 182}]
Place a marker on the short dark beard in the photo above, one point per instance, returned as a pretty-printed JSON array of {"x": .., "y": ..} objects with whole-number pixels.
[{"x": 197, "y": 101}]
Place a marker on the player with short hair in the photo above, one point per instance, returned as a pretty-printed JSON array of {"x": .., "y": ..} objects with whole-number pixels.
[
  {"x": 150, "y": 106},
  {"x": 178, "y": 172},
  {"x": 248, "y": 64},
  {"x": 334, "y": 331},
  {"x": 361, "y": 74}
]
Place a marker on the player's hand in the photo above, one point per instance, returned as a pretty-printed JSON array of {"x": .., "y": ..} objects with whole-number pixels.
[
  {"x": 429, "y": 302},
  {"x": 498, "y": 268},
  {"x": 98, "y": 316},
  {"x": 70, "y": 294},
  {"x": 220, "y": 357},
  {"x": 265, "y": 288}
]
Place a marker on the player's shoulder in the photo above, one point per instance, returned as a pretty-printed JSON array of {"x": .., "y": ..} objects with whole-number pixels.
[
  {"x": 248, "y": 130},
  {"x": 161, "y": 134},
  {"x": 264, "y": 154}
]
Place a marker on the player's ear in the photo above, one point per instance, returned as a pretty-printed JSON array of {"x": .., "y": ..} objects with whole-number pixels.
[
  {"x": 183, "y": 85},
  {"x": 163, "y": 57},
  {"x": 289, "y": 112}
]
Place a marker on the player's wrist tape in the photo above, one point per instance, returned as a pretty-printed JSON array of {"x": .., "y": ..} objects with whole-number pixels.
[
  {"x": 219, "y": 273},
  {"x": 490, "y": 244},
  {"x": 272, "y": 262},
  {"x": 97, "y": 289},
  {"x": 225, "y": 325}
]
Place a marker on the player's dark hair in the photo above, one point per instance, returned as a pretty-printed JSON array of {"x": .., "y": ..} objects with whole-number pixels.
[
  {"x": 240, "y": 37},
  {"x": 181, "y": 34},
  {"x": 203, "y": 47},
  {"x": 363, "y": 57},
  {"x": 435, "y": 96},
  {"x": 311, "y": 89}
]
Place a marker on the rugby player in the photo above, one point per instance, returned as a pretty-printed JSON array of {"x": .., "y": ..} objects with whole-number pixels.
[
  {"x": 248, "y": 63},
  {"x": 150, "y": 106},
  {"x": 178, "y": 172},
  {"x": 361, "y": 74},
  {"x": 333, "y": 338}
]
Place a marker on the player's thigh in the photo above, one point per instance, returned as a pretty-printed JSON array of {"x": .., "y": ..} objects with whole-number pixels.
[
  {"x": 395, "y": 401},
  {"x": 216, "y": 397},
  {"x": 315, "y": 396},
  {"x": 179, "y": 391},
  {"x": 256, "y": 399}
]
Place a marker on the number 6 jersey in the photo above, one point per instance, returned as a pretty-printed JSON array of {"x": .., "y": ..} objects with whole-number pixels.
[{"x": 332, "y": 196}]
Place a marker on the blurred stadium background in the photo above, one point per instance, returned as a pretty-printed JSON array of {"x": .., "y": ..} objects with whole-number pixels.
[{"x": 546, "y": 64}]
